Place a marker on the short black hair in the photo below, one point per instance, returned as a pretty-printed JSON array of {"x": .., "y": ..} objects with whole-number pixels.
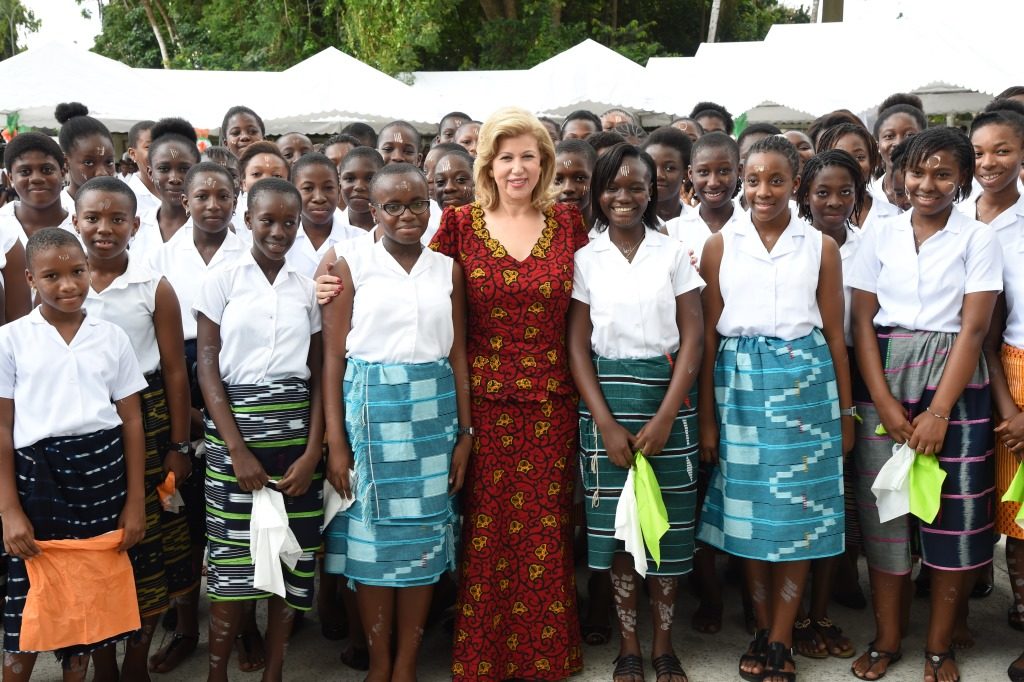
[
  {"x": 717, "y": 140},
  {"x": 898, "y": 154},
  {"x": 1012, "y": 91},
  {"x": 830, "y": 138},
  {"x": 582, "y": 115},
  {"x": 909, "y": 99},
  {"x": 929, "y": 142},
  {"x": 603, "y": 139},
  {"x": 1005, "y": 117},
  {"x": 407, "y": 126},
  {"x": 261, "y": 147},
  {"x": 678, "y": 119},
  {"x": 239, "y": 109},
  {"x": 832, "y": 118},
  {"x": 32, "y": 142},
  {"x": 713, "y": 110},
  {"x": 274, "y": 185},
  {"x": 312, "y": 159},
  {"x": 779, "y": 145},
  {"x": 136, "y": 130},
  {"x": 814, "y": 165},
  {"x": 50, "y": 238},
  {"x": 460, "y": 152},
  {"x": 452, "y": 114},
  {"x": 219, "y": 154},
  {"x": 1006, "y": 104},
  {"x": 397, "y": 169},
  {"x": 208, "y": 167},
  {"x": 363, "y": 153},
  {"x": 362, "y": 132},
  {"x": 581, "y": 147},
  {"x": 913, "y": 112},
  {"x": 107, "y": 183},
  {"x": 671, "y": 137},
  {"x": 757, "y": 129},
  {"x": 76, "y": 123},
  {"x": 174, "y": 130},
  {"x": 444, "y": 147},
  {"x": 607, "y": 168},
  {"x": 342, "y": 138}
]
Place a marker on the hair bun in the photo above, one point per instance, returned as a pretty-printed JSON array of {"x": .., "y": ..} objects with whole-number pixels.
[
  {"x": 69, "y": 110},
  {"x": 173, "y": 126}
]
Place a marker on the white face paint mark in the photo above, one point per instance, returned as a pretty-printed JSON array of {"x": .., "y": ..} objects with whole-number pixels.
[
  {"x": 105, "y": 204},
  {"x": 209, "y": 181},
  {"x": 666, "y": 614},
  {"x": 932, "y": 161},
  {"x": 624, "y": 170},
  {"x": 760, "y": 169},
  {"x": 397, "y": 137},
  {"x": 444, "y": 166},
  {"x": 403, "y": 186},
  {"x": 63, "y": 256},
  {"x": 100, "y": 150},
  {"x": 174, "y": 154},
  {"x": 789, "y": 591},
  {"x": 566, "y": 163},
  {"x": 759, "y": 595}
]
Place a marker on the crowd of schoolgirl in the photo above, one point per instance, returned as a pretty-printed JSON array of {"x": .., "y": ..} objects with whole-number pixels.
[{"x": 760, "y": 318}]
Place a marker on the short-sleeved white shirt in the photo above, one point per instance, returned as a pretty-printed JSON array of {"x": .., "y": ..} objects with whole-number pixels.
[
  {"x": 264, "y": 328},
  {"x": 433, "y": 224},
  {"x": 304, "y": 259},
  {"x": 146, "y": 200},
  {"x": 881, "y": 210},
  {"x": 692, "y": 231},
  {"x": 11, "y": 228},
  {"x": 774, "y": 293},
  {"x": 848, "y": 252},
  {"x": 67, "y": 202},
  {"x": 130, "y": 303},
  {"x": 1009, "y": 229},
  {"x": 925, "y": 291},
  {"x": 633, "y": 305},
  {"x": 398, "y": 316},
  {"x": 148, "y": 239},
  {"x": 61, "y": 389},
  {"x": 179, "y": 261}
]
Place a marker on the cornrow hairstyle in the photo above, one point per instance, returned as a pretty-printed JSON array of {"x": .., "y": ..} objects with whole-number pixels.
[
  {"x": 397, "y": 169},
  {"x": 239, "y": 109},
  {"x": 50, "y": 238},
  {"x": 342, "y": 138},
  {"x": 929, "y": 142},
  {"x": 713, "y": 110},
  {"x": 76, "y": 123},
  {"x": 219, "y": 154},
  {"x": 1013, "y": 105},
  {"x": 581, "y": 147},
  {"x": 906, "y": 98},
  {"x": 830, "y": 138},
  {"x": 208, "y": 167},
  {"x": 1012, "y": 91},
  {"x": 107, "y": 183},
  {"x": 362, "y": 132},
  {"x": 174, "y": 130},
  {"x": 616, "y": 110},
  {"x": 582, "y": 115},
  {"x": 261, "y": 147},
  {"x": 32, "y": 142},
  {"x": 670, "y": 137},
  {"x": 604, "y": 139},
  {"x": 779, "y": 145},
  {"x": 312, "y": 159},
  {"x": 631, "y": 130},
  {"x": 138, "y": 129},
  {"x": 403, "y": 124},
  {"x": 272, "y": 185},
  {"x": 607, "y": 168},
  {"x": 363, "y": 153},
  {"x": 830, "y": 158},
  {"x": 910, "y": 111}
]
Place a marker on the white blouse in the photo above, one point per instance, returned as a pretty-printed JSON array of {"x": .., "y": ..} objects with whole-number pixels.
[
  {"x": 693, "y": 232},
  {"x": 398, "y": 316},
  {"x": 265, "y": 328},
  {"x": 1009, "y": 229},
  {"x": 65, "y": 389},
  {"x": 130, "y": 303},
  {"x": 774, "y": 293},
  {"x": 633, "y": 305},
  {"x": 925, "y": 290},
  {"x": 304, "y": 259},
  {"x": 848, "y": 252}
]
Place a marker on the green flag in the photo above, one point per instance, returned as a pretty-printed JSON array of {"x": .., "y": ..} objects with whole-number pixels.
[
  {"x": 1015, "y": 493},
  {"x": 650, "y": 506},
  {"x": 926, "y": 477}
]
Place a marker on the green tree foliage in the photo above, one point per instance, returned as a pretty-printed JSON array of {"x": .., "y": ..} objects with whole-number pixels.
[
  {"x": 399, "y": 36},
  {"x": 15, "y": 18}
]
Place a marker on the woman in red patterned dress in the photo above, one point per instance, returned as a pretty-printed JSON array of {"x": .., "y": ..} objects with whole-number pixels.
[{"x": 517, "y": 613}]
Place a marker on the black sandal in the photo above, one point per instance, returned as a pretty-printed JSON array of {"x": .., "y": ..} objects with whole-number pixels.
[
  {"x": 668, "y": 665},
  {"x": 877, "y": 656},
  {"x": 175, "y": 652},
  {"x": 629, "y": 665},
  {"x": 937, "y": 660},
  {"x": 778, "y": 656},
  {"x": 756, "y": 655},
  {"x": 1014, "y": 673}
]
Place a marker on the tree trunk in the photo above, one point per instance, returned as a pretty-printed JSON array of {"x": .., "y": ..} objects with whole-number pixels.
[
  {"x": 556, "y": 13},
  {"x": 814, "y": 12},
  {"x": 164, "y": 56},
  {"x": 716, "y": 8},
  {"x": 171, "y": 31},
  {"x": 510, "y": 9},
  {"x": 492, "y": 9}
]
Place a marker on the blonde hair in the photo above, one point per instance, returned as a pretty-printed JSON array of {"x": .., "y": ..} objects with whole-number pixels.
[{"x": 505, "y": 123}]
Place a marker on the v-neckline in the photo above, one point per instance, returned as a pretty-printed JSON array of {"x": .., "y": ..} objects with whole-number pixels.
[{"x": 498, "y": 249}]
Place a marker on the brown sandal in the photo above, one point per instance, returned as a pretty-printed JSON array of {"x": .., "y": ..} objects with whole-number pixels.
[{"x": 834, "y": 638}]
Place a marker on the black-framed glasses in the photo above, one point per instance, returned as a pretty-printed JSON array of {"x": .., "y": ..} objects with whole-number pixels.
[{"x": 418, "y": 207}]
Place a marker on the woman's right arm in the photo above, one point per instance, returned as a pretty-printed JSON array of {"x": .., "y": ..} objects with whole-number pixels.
[
  {"x": 17, "y": 295},
  {"x": 19, "y": 540},
  {"x": 711, "y": 299},
  {"x": 337, "y": 322}
]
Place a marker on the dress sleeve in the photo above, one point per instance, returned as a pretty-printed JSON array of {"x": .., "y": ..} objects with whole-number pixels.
[
  {"x": 866, "y": 265},
  {"x": 446, "y": 240},
  {"x": 574, "y": 220}
]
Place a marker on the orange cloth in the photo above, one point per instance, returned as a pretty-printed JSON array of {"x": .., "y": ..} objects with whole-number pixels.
[
  {"x": 80, "y": 592},
  {"x": 1006, "y": 461}
]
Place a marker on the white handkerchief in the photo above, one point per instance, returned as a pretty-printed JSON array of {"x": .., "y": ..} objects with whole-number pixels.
[
  {"x": 334, "y": 503},
  {"x": 892, "y": 484},
  {"x": 627, "y": 525},
  {"x": 271, "y": 541}
]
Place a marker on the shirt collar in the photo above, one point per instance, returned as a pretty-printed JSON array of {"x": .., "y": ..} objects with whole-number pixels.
[
  {"x": 603, "y": 241},
  {"x": 954, "y": 225},
  {"x": 247, "y": 260},
  {"x": 36, "y": 317}
]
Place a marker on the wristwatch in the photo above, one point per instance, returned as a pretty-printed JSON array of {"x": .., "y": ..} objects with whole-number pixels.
[
  {"x": 849, "y": 412},
  {"x": 467, "y": 431},
  {"x": 182, "y": 448}
]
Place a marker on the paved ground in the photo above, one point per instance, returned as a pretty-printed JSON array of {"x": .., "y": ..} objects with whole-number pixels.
[{"x": 710, "y": 658}]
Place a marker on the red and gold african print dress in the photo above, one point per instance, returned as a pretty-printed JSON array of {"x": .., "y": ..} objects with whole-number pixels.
[{"x": 517, "y": 596}]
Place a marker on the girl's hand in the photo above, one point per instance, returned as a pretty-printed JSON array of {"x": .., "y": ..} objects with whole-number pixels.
[
  {"x": 1011, "y": 433},
  {"x": 929, "y": 432},
  {"x": 619, "y": 443},
  {"x": 133, "y": 521},
  {"x": 709, "y": 441},
  {"x": 653, "y": 435},
  {"x": 849, "y": 437},
  {"x": 894, "y": 419},
  {"x": 296, "y": 480},
  {"x": 328, "y": 286},
  {"x": 460, "y": 460},
  {"x": 248, "y": 471},
  {"x": 338, "y": 466},
  {"x": 19, "y": 537},
  {"x": 180, "y": 464}
]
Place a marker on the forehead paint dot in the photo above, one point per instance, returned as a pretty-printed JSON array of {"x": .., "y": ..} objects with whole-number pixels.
[
  {"x": 933, "y": 161},
  {"x": 209, "y": 181},
  {"x": 624, "y": 169}
]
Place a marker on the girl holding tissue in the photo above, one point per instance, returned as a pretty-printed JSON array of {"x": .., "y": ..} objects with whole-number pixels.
[
  {"x": 925, "y": 284},
  {"x": 634, "y": 338},
  {"x": 397, "y": 408},
  {"x": 778, "y": 393},
  {"x": 259, "y": 370}
]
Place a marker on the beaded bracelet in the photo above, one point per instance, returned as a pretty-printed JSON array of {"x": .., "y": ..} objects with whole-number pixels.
[{"x": 935, "y": 414}]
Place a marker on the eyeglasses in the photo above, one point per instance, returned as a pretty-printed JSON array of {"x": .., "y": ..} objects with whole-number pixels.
[{"x": 418, "y": 207}]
